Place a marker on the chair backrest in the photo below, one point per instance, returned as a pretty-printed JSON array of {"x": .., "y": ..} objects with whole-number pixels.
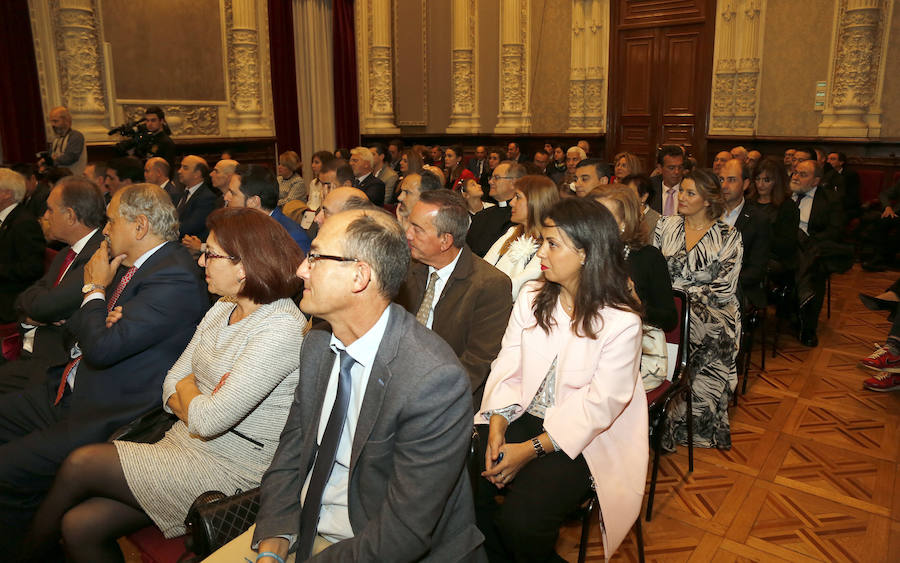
[
  {"x": 680, "y": 336},
  {"x": 870, "y": 183}
]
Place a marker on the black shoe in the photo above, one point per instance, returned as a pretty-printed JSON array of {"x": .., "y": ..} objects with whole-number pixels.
[
  {"x": 809, "y": 339},
  {"x": 876, "y": 304}
]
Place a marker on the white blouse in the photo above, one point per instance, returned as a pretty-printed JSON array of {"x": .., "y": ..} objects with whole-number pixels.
[{"x": 520, "y": 262}]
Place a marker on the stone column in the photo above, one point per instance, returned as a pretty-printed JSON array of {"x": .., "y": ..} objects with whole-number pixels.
[
  {"x": 245, "y": 69},
  {"x": 853, "y": 105},
  {"x": 597, "y": 54},
  {"x": 464, "y": 116},
  {"x": 577, "y": 69},
  {"x": 374, "y": 63},
  {"x": 747, "y": 77},
  {"x": 515, "y": 82},
  {"x": 722, "y": 107}
]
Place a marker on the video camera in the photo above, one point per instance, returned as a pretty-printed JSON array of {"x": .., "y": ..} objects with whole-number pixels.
[{"x": 137, "y": 138}]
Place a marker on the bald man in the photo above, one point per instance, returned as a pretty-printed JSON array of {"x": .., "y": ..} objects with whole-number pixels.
[
  {"x": 721, "y": 158},
  {"x": 156, "y": 171},
  {"x": 67, "y": 149},
  {"x": 342, "y": 199},
  {"x": 198, "y": 200}
]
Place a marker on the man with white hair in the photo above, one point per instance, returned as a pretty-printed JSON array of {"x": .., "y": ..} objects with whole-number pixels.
[
  {"x": 362, "y": 162},
  {"x": 21, "y": 243},
  {"x": 67, "y": 149}
]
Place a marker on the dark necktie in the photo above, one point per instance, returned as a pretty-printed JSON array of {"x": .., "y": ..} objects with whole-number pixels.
[
  {"x": 183, "y": 201},
  {"x": 312, "y": 504}
]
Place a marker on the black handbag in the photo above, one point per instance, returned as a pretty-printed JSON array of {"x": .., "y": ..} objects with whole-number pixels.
[{"x": 215, "y": 519}]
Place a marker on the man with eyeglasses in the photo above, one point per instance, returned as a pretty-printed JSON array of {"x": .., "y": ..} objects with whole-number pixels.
[
  {"x": 490, "y": 224},
  {"x": 371, "y": 462}
]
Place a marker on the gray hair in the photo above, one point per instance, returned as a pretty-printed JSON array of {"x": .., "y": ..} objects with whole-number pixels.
[
  {"x": 452, "y": 215},
  {"x": 152, "y": 202},
  {"x": 13, "y": 181},
  {"x": 377, "y": 239}
]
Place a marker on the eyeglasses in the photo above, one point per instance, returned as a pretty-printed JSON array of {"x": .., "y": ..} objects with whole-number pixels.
[
  {"x": 314, "y": 257},
  {"x": 495, "y": 178},
  {"x": 208, "y": 255}
]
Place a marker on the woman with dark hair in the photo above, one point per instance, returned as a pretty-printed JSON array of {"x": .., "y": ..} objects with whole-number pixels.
[
  {"x": 290, "y": 182},
  {"x": 231, "y": 390},
  {"x": 564, "y": 400},
  {"x": 410, "y": 163},
  {"x": 649, "y": 273},
  {"x": 316, "y": 189},
  {"x": 642, "y": 186},
  {"x": 770, "y": 193},
  {"x": 515, "y": 253},
  {"x": 704, "y": 257},
  {"x": 456, "y": 173}
]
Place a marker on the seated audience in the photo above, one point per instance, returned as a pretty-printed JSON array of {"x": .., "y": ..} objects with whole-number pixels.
[
  {"x": 36, "y": 192},
  {"x": 410, "y": 163},
  {"x": 557, "y": 168},
  {"x": 753, "y": 225},
  {"x": 385, "y": 471},
  {"x": 317, "y": 191},
  {"x": 881, "y": 232},
  {"x": 411, "y": 188},
  {"x": 789, "y": 158},
  {"x": 76, "y": 213},
  {"x": 436, "y": 155},
  {"x": 341, "y": 199},
  {"x": 198, "y": 200},
  {"x": 626, "y": 164},
  {"x": 704, "y": 256},
  {"x": 514, "y": 153},
  {"x": 361, "y": 161},
  {"x": 541, "y": 160},
  {"x": 455, "y": 171},
  {"x": 465, "y": 300},
  {"x": 384, "y": 172},
  {"x": 768, "y": 192},
  {"x": 590, "y": 174},
  {"x": 156, "y": 171},
  {"x": 231, "y": 389},
  {"x": 21, "y": 243},
  {"x": 474, "y": 197},
  {"x": 121, "y": 172},
  {"x": 574, "y": 155},
  {"x": 838, "y": 163},
  {"x": 886, "y": 359},
  {"x": 740, "y": 154},
  {"x": 720, "y": 159},
  {"x": 649, "y": 275},
  {"x": 670, "y": 161},
  {"x": 118, "y": 370},
  {"x": 220, "y": 176},
  {"x": 96, "y": 173},
  {"x": 642, "y": 186},
  {"x": 515, "y": 253},
  {"x": 342, "y": 154},
  {"x": 395, "y": 149},
  {"x": 495, "y": 157},
  {"x": 478, "y": 164},
  {"x": 490, "y": 224},
  {"x": 290, "y": 180},
  {"x": 564, "y": 397}
]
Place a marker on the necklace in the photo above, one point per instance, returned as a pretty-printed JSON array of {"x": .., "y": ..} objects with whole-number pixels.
[{"x": 704, "y": 227}]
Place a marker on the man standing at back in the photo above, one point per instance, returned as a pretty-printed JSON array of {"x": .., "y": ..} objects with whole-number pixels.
[
  {"x": 371, "y": 462},
  {"x": 116, "y": 369},
  {"x": 67, "y": 149}
]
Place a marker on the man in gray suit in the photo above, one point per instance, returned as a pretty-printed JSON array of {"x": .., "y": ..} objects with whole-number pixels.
[{"x": 375, "y": 444}]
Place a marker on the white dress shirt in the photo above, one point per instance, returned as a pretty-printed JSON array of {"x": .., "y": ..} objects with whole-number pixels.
[
  {"x": 443, "y": 276},
  {"x": 5, "y": 213},
  {"x": 730, "y": 217},
  {"x": 334, "y": 516},
  {"x": 191, "y": 190}
]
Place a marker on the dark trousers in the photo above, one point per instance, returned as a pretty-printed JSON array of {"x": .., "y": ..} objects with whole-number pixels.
[{"x": 535, "y": 504}]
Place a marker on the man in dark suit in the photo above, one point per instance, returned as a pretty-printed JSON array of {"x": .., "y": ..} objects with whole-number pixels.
[
  {"x": 490, "y": 224},
  {"x": 821, "y": 225},
  {"x": 362, "y": 163},
  {"x": 396, "y": 491},
  {"x": 21, "y": 243},
  {"x": 156, "y": 171},
  {"x": 838, "y": 162},
  {"x": 36, "y": 192},
  {"x": 478, "y": 164},
  {"x": 198, "y": 200},
  {"x": 754, "y": 229},
  {"x": 76, "y": 213},
  {"x": 117, "y": 368},
  {"x": 121, "y": 172},
  {"x": 465, "y": 300},
  {"x": 664, "y": 199},
  {"x": 514, "y": 153}
]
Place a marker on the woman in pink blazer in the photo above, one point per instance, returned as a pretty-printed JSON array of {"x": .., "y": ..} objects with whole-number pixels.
[{"x": 564, "y": 401}]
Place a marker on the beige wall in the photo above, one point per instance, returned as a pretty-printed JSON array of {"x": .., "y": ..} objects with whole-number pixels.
[
  {"x": 439, "y": 93},
  {"x": 890, "y": 101},
  {"x": 551, "y": 52},
  {"x": 488, "y": 62},
  {"x": 796, "y": 48}
]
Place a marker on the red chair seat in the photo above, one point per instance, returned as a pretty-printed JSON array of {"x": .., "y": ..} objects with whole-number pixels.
[
  {"x": 870, "y": 184},
  {"x": 155, "y": 548},
  {"x": 654, "y": 394}
]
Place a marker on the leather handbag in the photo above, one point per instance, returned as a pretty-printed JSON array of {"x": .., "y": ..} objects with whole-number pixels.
[{"x": 215, "y": 519}]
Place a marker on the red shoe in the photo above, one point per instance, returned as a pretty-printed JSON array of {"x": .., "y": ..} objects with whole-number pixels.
[
  {"x": 882, "y": 360},
  {"x": 883, "y": 382}
]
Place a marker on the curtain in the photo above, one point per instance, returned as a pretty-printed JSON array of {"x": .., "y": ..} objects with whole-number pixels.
[
  {"x": 346, "y": 102},
  {"x": 22, "y": 130},
  {"x": 315, "y": 86},
  {"x": 284, "y": 75}
]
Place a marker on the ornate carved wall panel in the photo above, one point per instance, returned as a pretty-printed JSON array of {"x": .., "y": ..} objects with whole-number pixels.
[
  {"x": 515, "y": 79},
  {"x": 856, "y": 77},
  {"x": 75, "y": 69},
  {"x": 737, "y": 67},
  {"x": 464, "y": 75},
  {"x": 588, "y": 69},
  {"x": 375, "y": 67}
]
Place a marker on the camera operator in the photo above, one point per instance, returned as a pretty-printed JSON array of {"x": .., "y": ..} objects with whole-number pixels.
[
  {"x": 148, "y": 137},
  {"x": 67, "y": 150}
]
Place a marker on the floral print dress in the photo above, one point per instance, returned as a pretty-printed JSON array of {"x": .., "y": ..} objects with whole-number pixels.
[{"x": 709, "y": 274}]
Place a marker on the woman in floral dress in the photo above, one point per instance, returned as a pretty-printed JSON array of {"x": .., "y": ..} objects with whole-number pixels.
[
  {"x": 704, "y": 256},
  {"x": 515, "y": 253}
]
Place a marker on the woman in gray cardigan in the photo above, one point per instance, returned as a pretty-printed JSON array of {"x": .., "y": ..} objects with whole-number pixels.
[{"x": 231, "y": 390}]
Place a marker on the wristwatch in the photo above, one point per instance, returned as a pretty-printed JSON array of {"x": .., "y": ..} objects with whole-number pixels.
[{"x": 90, "y": 287}]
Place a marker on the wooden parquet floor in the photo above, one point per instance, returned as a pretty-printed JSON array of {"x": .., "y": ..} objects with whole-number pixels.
[{"x": 813, "y": 473}]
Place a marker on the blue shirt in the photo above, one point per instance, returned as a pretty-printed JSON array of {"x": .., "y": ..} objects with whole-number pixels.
[{"x": 293, "y": 229}]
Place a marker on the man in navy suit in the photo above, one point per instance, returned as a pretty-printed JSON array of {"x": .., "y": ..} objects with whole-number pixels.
[
  {"x": 198, "y": 200},
  {"x": 21, "y": 243},
  {"x": 117, "y": 369},
  {"x": 362, "y": 162},
  {"x": 255, "y": 186}
]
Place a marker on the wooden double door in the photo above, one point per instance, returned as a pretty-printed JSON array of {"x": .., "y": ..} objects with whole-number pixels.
[{"x": 660, "y": 76}]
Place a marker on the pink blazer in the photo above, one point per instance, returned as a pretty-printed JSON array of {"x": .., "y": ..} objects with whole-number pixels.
[{"x": 601, "y": 407}]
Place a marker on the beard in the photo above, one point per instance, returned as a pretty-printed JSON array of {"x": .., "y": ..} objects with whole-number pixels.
[{"x": 60, "y": 131}]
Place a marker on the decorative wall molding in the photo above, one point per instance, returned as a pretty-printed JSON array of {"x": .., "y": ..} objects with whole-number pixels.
[
  {"x": 75, "y": 70},
  {"x": 738, "y": 52},
  {"x": 464, "y": 117},
  {"x": 374, "y": 64},
  {"x": 856, "y": 74},
  {"x": 515, "y": 62},
  {"x": 589, "y": 64}
]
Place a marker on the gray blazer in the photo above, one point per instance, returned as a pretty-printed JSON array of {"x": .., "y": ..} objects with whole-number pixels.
[{"x": 409, "y": 494}]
